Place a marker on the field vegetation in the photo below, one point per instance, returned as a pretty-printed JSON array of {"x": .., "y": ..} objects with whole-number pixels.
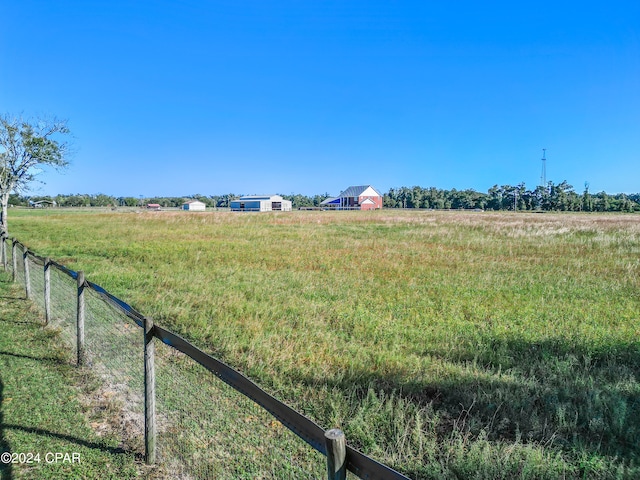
[
  {"x": 45, "y": 407},
  {"x": 446, "y": 344}
]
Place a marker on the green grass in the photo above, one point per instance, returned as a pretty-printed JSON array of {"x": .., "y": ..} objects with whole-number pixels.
[
  {"x": 447, "y": 344},
  {"x": 40, "y": 407}
]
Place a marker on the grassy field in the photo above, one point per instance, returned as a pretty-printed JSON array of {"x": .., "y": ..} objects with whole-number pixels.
[
  {"x": 446, "y": 344},
  {"x": 42, "y": 411}
]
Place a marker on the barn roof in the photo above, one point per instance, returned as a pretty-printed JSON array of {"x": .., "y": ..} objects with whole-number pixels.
[
  {"x": 356, "y": 191},
  {"x": 261, "y": 197}
]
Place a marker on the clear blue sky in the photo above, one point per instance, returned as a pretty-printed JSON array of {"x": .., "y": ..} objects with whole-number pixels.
[{"x": 177, "y": 97}]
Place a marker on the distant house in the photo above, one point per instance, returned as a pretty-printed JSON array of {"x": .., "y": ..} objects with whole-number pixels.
[
  {"x": 260, "y": 203},
  {"x": 43, "y": 203},
  {"x": 153, "y": 206},
  {"x": 194, "y": 206},
  {"x": 362, "y": 197}
]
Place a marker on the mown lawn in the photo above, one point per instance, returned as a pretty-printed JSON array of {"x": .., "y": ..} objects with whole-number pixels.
[
  {"x": 41, "y": 412},
  {"x": 447, "y": 344}
]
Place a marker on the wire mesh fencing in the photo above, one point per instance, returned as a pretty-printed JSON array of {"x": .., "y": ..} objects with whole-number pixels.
[
  {"x": 18, "y": 262},
  {"x": 36, "y": 277},
  {"x": 64, "y": 304},
  {"x": 113, "y": 350},
  {"x": 112, "y": 345},
  {"x": 206, "y": 429},
  {"x": 202, "y": 427}
]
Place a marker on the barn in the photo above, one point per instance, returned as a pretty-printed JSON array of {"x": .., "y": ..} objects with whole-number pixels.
[
  {"x": 361, "y": 197},
  {"x": 260, "y": 203},
  {"x": 43, "y": 204},
  {"x": 194, "y": 206}
]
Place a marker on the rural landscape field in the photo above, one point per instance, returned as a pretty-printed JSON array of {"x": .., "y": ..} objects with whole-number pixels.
[{"x": 444, "y": 344}]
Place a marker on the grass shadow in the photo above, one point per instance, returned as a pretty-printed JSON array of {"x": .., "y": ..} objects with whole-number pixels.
[{"x": 570, "y": 398}]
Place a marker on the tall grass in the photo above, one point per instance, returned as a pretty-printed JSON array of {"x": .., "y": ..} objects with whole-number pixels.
[{"x": 447, "y": 344}]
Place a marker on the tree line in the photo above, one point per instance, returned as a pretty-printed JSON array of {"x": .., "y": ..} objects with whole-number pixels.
[
  {"x": 552, "y": 197},
  {"x": 102, "y": 200},
  {"x": 26, "y": 145}
]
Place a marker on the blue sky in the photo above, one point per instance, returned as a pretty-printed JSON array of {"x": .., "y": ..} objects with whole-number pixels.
[{"x": 174, "y": 98}]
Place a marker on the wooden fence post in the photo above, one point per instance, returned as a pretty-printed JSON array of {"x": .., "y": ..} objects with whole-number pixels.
[
  {"x": 336, "y": 454},
  {"x": 27, "y": 280},
  {"x": 14, "y": 259},
  {"x": 149, "y": 393},
  {"x": 47, "y": 290},
  {"x": 4, "y": 252},
  {"x": 80, "y": 320}
]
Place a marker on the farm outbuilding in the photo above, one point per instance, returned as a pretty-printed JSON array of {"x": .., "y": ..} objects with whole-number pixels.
[
  {"x": 260, "y": 203},
  {"x": 194, "y": 206},
  {"x": 43, "y": 204},
  {"x": 362, "y": 197}
]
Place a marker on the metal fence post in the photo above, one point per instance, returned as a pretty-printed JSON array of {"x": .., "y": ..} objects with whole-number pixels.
[
  {"x": 149, "y": 393},
  {"x": 80, "y": 319},
  {"x": 27, "y": 280},
  {"x": 14, "y": 259},
  {"x": 47, "y": 290},
  {"x": 336, "y": 454}
]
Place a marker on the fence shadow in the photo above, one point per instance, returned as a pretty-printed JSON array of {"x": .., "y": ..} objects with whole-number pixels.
[
  {"x": 5, "y": 468},
  {"x": 11, "y": 305},
  {"x": 70, "y": 438},
  {"x": 15, "y": 322},
  {"x": 55, "y": 360}
]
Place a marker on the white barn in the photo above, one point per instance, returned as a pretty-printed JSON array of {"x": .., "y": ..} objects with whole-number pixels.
[
  {"x": 194, "y": 206},
  {"x": 260, "y": 203}
]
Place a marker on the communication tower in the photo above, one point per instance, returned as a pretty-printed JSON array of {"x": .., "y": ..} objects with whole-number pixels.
[{"x": 543, "y": 176}]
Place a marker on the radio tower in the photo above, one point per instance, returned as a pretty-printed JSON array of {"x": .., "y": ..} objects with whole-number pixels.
[{"x": 543, "y": 176}]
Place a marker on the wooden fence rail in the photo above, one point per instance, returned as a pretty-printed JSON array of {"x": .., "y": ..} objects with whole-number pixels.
[{"x": 331, "y": 443}]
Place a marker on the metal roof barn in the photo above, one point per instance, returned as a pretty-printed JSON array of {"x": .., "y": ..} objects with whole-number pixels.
[
  {"x": 260, "y": 203},
  {"x": 194, "y": 206}
]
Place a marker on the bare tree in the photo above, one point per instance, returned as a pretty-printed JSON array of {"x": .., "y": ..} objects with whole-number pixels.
[{"x": 24, "y": 147}]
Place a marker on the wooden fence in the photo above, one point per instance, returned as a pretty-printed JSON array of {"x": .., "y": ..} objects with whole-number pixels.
[{"x": 340, "y": 457}]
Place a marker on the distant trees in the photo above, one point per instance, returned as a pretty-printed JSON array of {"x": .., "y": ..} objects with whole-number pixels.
[
  {"x": 298, "y": 200},
  {"x": 552, "y": 197},
  {"x": 102, "y": 200},
  {"x": 561, "y": 197},
  {"x": 434, "y": 198},
  {"x": 127, "y": 202}
]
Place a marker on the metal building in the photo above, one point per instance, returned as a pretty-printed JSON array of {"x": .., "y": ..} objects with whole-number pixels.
[
  {"x": 260, "y": 203},
  {"x": 194, "y": 206}
]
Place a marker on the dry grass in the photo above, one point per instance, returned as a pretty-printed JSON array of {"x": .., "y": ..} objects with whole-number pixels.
[{"x": 515, "y": 333}]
